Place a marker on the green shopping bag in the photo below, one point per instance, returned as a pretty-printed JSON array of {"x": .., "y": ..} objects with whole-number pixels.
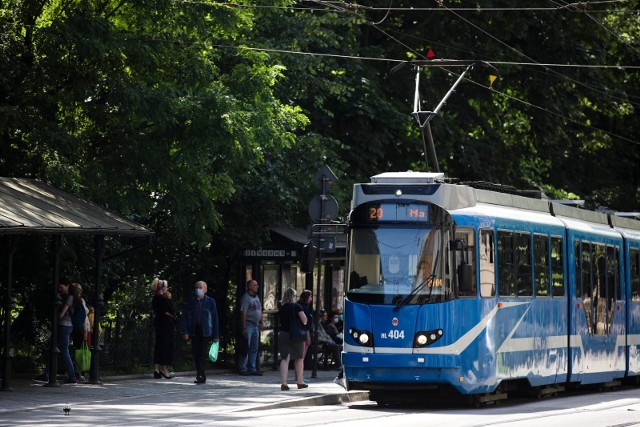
[
  {"x": 213, "y": 351},
  {"x": 83, "y": 358}
]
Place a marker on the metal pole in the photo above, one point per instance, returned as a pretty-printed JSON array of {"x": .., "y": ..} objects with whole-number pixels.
[
  {"x": 8, "y": 308},
  {"x": 97, "y": 309},
  {"x": 431, "y": 147},
  {"x": 56, "y": 245},
  {"x": 316, "y": 322}
]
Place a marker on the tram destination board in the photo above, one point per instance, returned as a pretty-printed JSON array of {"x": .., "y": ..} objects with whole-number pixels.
[{"x": 391, "y": 212}]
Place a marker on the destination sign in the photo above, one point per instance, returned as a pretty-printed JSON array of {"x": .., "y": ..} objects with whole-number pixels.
[{"x": 391, "y": 212}]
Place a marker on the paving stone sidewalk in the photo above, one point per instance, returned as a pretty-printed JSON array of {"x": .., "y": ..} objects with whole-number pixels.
[{"x": 142, "y": 400}]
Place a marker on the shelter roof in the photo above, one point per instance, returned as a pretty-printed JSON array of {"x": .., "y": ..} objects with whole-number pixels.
[{"x": 31, "y": 206}]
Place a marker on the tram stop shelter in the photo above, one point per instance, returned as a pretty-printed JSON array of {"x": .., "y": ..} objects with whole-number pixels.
[{"x": 31, "y": 207}]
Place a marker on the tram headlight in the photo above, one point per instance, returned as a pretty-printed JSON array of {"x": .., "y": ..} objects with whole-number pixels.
[
  {"x": 425, "y": 338},
  {"x": 364, "y": 338},
  {"x": 361, "y": 337},
  {"x": 421, "y": 339}
]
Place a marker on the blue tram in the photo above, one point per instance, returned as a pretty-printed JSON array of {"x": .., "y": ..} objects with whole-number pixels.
[{"x": 454, "y": 288}]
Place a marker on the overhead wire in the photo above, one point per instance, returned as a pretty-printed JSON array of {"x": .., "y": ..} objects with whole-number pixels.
[
  {"x": 334, "y": 6},
  {"x": 577, "y": 82},
  {"x": 478, "y": 8},
  {"x": 604, "y": 27},
  {"x": 607, "y": 92},
  {"x": 585, "y": 125}
]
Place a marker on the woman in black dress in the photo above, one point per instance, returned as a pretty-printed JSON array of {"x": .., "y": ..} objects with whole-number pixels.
[{"x": 164, "y": 324}]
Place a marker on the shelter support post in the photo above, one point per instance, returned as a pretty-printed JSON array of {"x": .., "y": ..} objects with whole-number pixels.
[
  {"x": 56, "y": 246},
  {"x": 8, "y": 308},
  {"x": 99, "y": 303}
]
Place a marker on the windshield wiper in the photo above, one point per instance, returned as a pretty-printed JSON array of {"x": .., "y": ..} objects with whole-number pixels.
[
  {"x": 428, "y": 281},
  {"x": 404, "y": 301}
]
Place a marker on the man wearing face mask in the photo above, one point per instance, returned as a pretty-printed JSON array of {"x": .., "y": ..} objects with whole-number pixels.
[{"x": 200, "y": 323}]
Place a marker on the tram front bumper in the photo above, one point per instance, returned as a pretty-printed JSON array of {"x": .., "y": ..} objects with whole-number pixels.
[{"x": 401, "y": 368}]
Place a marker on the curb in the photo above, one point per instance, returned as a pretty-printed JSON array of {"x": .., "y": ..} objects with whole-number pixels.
[{"x": 326, "y": 399}]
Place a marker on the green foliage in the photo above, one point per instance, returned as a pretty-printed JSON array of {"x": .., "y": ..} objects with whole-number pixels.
[{"x": 207, "y": 121}]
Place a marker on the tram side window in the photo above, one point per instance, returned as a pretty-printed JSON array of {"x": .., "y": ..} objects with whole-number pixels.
[
  {"x": 523, "y": 256},
  {"x": 585, "y": 282},
  {"x": 612, "y": 284},
  {"x": 598, "y": 281},
  {"x": 613, "y": 277},
  {"x": 541, "y": 264},
  {"x": 506, "y": 264},
  {"x": 487, "y": 265},
  {"x": 468, "y": 238},
  {"x": 577, "y": 256},
  {"x": 599, "y": 286},
  {"x": 557, "y": 267},
  {"x": 634, "y": 265}
]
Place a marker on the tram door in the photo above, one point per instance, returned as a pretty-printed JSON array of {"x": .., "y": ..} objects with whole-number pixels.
[
  {"x": 633, "y": 308},
  {"x": 597, "y": 310}
]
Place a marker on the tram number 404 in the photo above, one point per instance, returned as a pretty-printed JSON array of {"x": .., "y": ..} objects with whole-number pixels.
[{"x": 393, "y": 334}]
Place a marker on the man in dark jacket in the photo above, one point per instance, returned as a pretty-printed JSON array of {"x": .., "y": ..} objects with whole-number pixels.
[{"x": 200, "y": 323}]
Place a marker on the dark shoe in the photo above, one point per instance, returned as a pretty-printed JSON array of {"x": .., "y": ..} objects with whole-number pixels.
[
  {"x": 256, "y": 373},
  {"x": 42, "y": 377},
  {"x": 71, "y": 381},
  {"x": 200, "y": 380},
  {"x": 244, "y": 373},
  {"x": 303, "y": 385},
  {"x": 166, "y": 376},
  {"x": 284, "y": 387},
  {"x": 156, "y": 375}
]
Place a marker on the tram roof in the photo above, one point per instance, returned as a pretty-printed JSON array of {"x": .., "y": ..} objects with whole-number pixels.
[
  {"x": 408, "y": 177},
  {"x": 459, "y": 196}
]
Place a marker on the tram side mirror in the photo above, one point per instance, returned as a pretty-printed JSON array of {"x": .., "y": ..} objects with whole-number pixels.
[{"x": 464, "y": 277}]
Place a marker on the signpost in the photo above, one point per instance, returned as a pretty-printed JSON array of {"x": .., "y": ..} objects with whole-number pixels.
[{"x": 322, "y": 209}]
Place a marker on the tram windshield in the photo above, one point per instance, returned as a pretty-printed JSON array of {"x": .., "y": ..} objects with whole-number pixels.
[{"x": 399, "y": 264}]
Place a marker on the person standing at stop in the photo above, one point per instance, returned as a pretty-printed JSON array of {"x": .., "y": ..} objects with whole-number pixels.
[
  {"x": 200, "y": 324},
  {"x": 251, "y": 314}
]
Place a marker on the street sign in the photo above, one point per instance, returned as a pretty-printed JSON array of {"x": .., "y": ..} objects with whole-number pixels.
[
  {"x": 319, "y": 213},
  {"x": 326, "y": 175},
  {"x": 327, "y": 244}
]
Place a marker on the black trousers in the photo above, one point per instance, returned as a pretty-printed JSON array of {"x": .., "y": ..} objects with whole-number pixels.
[{"x": 200, "y": 352}]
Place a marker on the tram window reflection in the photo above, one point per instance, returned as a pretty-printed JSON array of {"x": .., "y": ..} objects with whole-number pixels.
[
  {"x": 467, "y": 236},
  {"x": 523, "y": 258},
  {"x": 487, "y": 266},
  {"x": 557, "y": 266},
  {"x": 541, "y": 264},
  {"x": 506, "y": 264},
  {"x": 634, "y": 261}
]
